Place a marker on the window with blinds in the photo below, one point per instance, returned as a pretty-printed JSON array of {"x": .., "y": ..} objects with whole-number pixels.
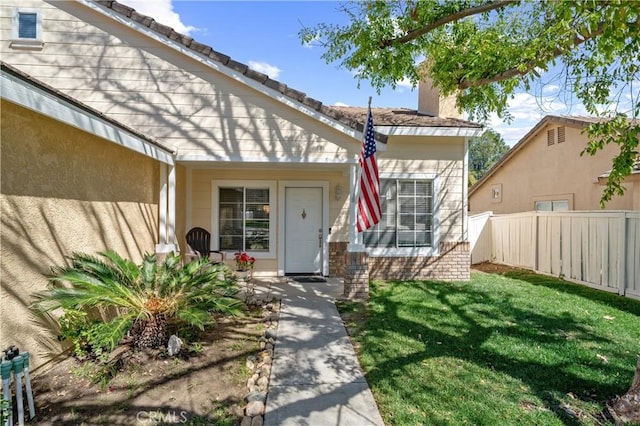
[
  {"x": 27, "y": 25},
  {"x": 244, "y": 219},
  {"x": 407, "y": 215}
]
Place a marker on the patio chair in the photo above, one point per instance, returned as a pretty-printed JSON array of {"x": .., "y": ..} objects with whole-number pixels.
[{"x": 199, "y": 244}]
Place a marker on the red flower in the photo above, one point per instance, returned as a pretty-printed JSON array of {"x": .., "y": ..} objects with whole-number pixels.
[{"x": 244, "y": 262}]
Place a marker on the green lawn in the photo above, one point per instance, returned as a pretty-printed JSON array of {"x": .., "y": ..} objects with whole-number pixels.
[{"x": 518, "y": 348}]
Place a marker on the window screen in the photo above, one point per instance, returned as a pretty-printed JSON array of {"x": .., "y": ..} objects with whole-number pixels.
[
  {"x": 407, "y": 215},
  {"x": 27, "y": 25},
  {"x": 244, "y": 219}
]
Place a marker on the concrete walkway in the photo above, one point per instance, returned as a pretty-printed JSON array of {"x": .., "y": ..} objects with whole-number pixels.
[{"x": 315, "y": 377}]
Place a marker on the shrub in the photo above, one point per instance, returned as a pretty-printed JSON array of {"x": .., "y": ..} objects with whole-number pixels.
[{"x": 147, "y": 298}]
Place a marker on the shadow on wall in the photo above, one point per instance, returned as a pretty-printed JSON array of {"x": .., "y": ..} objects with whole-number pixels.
[
  {"x": 177, "y": 99},
  {"x": 63, "y": 191},
  {"x": 37, "y": 233}
]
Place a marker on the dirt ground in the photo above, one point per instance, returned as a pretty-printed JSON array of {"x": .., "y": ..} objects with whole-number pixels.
[
  {"x": 493, "y": 268},
  {"x": 204, "y": 385}
]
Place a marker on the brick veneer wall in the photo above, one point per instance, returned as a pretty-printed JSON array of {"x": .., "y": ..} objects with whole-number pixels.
[
  {"x": 356, "y": 277},
  {"x": 452, "y": 264},
  {"x": 336, "y": 258}
]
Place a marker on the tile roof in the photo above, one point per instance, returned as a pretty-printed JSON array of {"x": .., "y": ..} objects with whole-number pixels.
[
  {"x": 579, "y": 120},
  {"x": 350, "y": 116},
  {"x": 401, "y": 117},
  {"x": 635, "y": 170}
]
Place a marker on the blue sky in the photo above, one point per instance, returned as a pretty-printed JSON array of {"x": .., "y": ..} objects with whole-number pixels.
[{"x": 264, "y": 35}]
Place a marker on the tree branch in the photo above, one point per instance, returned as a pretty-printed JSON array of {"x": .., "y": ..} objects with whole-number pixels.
[
  {"x": 414, "y": 34},
  {"x": 513, "y": 72}
]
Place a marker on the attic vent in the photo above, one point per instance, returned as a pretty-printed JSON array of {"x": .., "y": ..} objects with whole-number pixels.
[
  {"x": 551, "y": 137},
  {"x": 561, "y": 134}
]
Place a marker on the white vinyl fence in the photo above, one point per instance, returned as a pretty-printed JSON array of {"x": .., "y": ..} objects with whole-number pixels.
[{"x": 600, "y": 249}]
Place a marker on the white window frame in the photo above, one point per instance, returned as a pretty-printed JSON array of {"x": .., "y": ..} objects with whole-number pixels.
[
  {"x": 434, "y": 250},
  {"x": 552, "y": 205},
  {"x": 215, "y": 209},
  {"x": 26, "y": 43}
]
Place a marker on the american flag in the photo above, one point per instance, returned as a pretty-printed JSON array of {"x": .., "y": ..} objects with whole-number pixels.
[{"x": 369, "y": 196}]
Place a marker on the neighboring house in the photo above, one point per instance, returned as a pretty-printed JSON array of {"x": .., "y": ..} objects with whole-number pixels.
[
  {"x": 545, "y": 171},
  {"x": 119, "y": 133}
]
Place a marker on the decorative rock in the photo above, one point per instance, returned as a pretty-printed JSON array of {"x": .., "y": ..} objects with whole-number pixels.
[
  {"x": 264, "y": 354},
  {"x": 265, "y": 370},
  {"x": 251, "y": 362},
  {"x": 263, "y": 383},
  {"x": 174, "y": 345},
  {"x": 260, "y": 365},
  {"x": 254, "y": 408},
  {"x": 256, "y": 396}
]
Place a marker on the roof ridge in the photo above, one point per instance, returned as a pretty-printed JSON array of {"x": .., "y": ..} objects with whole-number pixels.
[{"x": 209, "y": 52}]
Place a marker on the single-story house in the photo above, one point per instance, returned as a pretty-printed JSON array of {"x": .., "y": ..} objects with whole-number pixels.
[
  {"x": 545, "y": 171},
  {"x": 120, "y": 133}
]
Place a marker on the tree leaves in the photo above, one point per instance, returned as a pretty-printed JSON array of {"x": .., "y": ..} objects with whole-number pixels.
[
  {"x": 485, "y": 51},
  {"x": 484, "y": 152}
]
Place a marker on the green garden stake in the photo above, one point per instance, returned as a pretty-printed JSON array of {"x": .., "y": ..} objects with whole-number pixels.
[
  {"x": 5, "y": 367},
  {"x": 17, "y": 378},
  {"x": 27, "y": 385}
]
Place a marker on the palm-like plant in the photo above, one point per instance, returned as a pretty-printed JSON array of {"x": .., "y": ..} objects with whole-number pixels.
[{"x": 147, "y": 297}]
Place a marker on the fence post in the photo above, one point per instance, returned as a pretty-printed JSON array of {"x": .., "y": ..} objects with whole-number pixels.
[
  {"x": 536, "y": 244},
  {"x": 622, "y": 265}
]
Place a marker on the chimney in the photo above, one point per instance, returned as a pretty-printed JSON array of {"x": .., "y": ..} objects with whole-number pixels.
[{"x": 431, "y": 103}]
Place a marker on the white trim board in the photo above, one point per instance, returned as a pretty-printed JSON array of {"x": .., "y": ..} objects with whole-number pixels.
[{"x": 429, "y": 131}]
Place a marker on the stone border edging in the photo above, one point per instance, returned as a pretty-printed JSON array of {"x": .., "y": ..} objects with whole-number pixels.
[{"x": 260, "y": 366}]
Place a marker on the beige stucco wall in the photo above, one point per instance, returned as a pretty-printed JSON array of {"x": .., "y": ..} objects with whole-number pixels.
[
  {"x": 538, "y": 172},
  {"x": 63, "y": 190}
]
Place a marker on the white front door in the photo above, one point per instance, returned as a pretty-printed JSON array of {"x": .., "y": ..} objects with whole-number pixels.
[{"x": 303, "y": 230}]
